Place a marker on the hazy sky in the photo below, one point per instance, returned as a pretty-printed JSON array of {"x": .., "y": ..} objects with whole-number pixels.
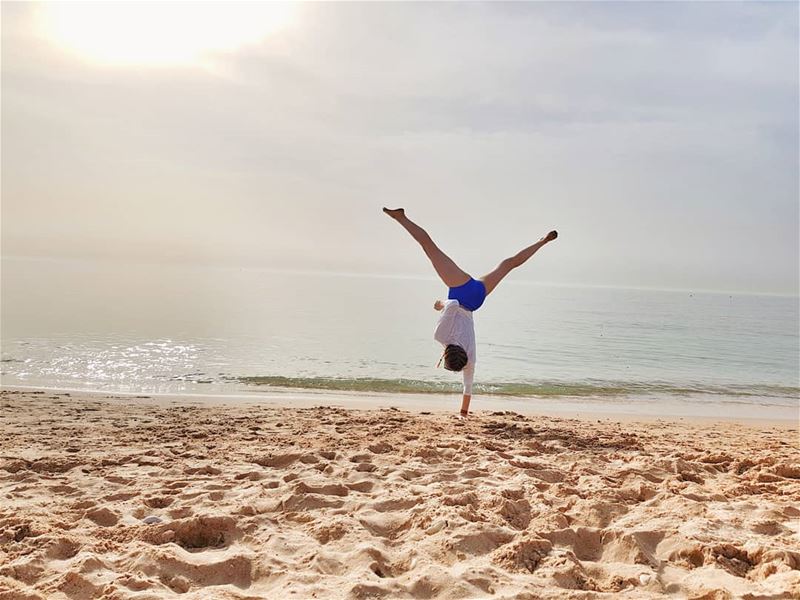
[{"x": 661, "y": 140}]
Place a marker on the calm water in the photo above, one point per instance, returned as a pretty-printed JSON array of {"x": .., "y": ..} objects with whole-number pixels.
[{"x": 152, "y": 328}]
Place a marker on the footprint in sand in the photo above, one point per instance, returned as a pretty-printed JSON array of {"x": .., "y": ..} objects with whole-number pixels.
[
  {"x": 181, "y": 573},
  {"x": 385, "y": 525},
  {"x": 303, "y": 502},
  {"x": 197, "y": 533},
  {"x": 159, "y": 501},
  {"x": 327, "y": 532},
  {"x": 250, "y": 476},
  {"x": 394, "y": 504},
  {"x": 120, "y": 497},
  {"x": 102, "y": 516},
  {"x": 277, "y": 461},
  {"x": 332, "y": 489},
  {"x": 63, "y": 549},
  {"x": 363, "y": 486},
  {"x": 75, "y": 585}
]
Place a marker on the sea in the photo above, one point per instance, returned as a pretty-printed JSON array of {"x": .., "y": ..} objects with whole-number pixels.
[{"x": 147, "y": 328}]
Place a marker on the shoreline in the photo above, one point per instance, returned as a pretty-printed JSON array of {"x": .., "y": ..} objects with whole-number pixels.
[{"x": 577, "y": 408}]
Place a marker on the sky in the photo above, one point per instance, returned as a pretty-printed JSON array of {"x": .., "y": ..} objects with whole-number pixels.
[{"x": 659, "y": 139}]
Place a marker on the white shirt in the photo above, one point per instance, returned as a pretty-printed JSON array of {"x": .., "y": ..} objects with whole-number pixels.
[{"x": 455, "y": 326}]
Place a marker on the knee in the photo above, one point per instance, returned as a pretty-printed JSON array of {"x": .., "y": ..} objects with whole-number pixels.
[{"x": 508, "y": 264}]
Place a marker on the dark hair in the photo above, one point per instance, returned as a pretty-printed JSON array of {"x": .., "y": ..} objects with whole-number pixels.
[{"x": 455, "y": 358}]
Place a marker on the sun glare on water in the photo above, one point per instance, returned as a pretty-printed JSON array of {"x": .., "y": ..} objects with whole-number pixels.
[{"x": 159, "y": 33}]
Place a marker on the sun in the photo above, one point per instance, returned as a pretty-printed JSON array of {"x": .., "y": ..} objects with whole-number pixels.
[{"x": 159, "y": 33}]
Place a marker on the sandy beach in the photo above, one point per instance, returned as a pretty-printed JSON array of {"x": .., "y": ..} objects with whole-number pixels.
[{"x": 135, "y": 497}]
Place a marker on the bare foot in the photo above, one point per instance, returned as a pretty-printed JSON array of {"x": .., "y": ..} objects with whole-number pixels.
[
  {"x": 395, "y": 213},
  {"x": 551, "y": 236}
]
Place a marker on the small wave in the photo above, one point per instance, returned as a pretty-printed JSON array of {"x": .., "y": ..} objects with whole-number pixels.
[{"x": 523, "y": 389}]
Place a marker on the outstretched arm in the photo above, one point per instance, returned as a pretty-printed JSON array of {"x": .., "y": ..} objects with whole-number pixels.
[
  {"x": 469, "y": 375},
  {"x": 465, "y": 404}
]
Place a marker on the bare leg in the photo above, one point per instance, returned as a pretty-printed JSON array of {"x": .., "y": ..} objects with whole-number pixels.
[
  {"x": 491, "y": 280},
  {"x": 449, "y": 272}
]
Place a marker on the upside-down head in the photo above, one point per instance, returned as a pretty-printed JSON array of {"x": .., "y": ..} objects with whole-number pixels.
[{"x": 455, "y": 357}]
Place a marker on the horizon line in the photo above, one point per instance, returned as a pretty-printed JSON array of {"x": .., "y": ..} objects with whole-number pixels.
[{"x": 419, "y": 277}]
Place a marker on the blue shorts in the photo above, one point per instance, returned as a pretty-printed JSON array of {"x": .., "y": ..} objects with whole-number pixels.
[{"x": 470, "y": 295}]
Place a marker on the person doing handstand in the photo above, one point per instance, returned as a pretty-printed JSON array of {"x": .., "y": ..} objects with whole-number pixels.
[{"x": 455, "y": 329}]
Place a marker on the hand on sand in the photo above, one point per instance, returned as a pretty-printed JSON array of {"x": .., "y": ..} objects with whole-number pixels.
[
  {"x": 395, "y": 213},
  {"x": 551, "y": 236}
]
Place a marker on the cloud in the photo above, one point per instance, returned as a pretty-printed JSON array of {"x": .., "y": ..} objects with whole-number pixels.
[{"x": 661, "y": 138}]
